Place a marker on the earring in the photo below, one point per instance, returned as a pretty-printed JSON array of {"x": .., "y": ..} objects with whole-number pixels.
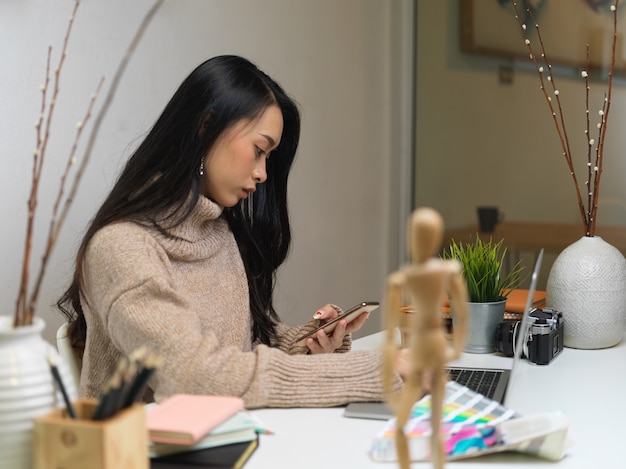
[
  {"x": 250, "y": 208},
  {"x": 201, "y": 168}
]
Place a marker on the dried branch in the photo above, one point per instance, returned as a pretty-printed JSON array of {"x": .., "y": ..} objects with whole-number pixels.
[
  {"x": 55, "y": 225},
  {"x": 590, "y": 141},
  {"x": 107, "y": 102},
  {"x": 606, "y": 107},
  {"x": 25, "y": 310},
  {"x": 21, "y": 307},
  {"x": 594, "y": 171}
]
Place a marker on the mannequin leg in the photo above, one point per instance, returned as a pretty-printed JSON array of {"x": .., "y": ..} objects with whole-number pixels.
[
  {"x": 410, "y": 395},
  {"x": 436, "y": 412}
]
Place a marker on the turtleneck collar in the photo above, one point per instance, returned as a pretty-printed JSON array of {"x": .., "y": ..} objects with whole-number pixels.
[{"x": 198, "y": 224}]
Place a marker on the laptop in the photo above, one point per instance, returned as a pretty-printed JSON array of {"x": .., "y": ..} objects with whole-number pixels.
[{"x": 490, "y": 382}]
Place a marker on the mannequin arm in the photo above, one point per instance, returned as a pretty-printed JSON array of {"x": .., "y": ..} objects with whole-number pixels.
[
  {"x": 393, "y": 305},
  {"x": 458, "y": 294}
]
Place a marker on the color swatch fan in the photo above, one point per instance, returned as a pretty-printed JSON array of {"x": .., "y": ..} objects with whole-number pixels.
[{"x": 473, "y": 425}]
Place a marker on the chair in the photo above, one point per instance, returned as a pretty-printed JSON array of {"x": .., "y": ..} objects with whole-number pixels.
[{"x": 74, "y": 363}]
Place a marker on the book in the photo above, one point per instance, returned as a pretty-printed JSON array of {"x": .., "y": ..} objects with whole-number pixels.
[
  {"x": 237, "y": 429},
  {"x": 515, "y": 304},
  {"x": 184, "y": 419},
  {"x": 516, "y": 301},
  {"x": 233, "y": 456}
]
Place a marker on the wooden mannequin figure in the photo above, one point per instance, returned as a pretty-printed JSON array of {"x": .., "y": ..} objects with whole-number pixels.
[{"x": 424, "y": 282}]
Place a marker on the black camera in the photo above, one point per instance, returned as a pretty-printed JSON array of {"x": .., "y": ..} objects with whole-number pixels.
[{"x": 545, "y": 336}]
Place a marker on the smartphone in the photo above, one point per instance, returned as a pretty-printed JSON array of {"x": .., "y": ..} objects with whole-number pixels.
[{"x": 349, "y": 315}]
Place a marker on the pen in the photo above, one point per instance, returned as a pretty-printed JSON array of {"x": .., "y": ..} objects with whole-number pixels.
[
  {"x": 258, "y": 426},
  {"x": 59, "y": 381}
]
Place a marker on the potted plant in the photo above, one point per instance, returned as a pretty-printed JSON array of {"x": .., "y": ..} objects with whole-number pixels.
[{"x": 487, "y": 288}]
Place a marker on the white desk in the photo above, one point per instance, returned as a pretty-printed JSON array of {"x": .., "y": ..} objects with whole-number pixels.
[{"x": 572, "y": 383}]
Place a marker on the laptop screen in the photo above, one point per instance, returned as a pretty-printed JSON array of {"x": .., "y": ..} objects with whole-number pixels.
[{"x": 524, "y": 325}]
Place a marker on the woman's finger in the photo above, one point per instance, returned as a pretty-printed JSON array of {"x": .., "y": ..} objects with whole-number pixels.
[
  {"x": 357, "y": 323},
  {"x": 325, "y": 313}
]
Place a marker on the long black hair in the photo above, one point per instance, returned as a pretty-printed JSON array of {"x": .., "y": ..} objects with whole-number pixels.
[{"x": 163, "y": 171}]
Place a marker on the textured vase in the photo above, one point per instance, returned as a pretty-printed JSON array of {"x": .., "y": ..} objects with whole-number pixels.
[
  {"x": 587, "y": 283},
  {"x": 27, "y": 388}
]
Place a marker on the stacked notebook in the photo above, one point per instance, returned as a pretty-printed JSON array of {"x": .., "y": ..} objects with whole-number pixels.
[
  {"x": 237, "y": 429},
  {"x": 184, "y": 419},
  {"x": 232, "y": 456},
  {"x": 200, "y": 431}
]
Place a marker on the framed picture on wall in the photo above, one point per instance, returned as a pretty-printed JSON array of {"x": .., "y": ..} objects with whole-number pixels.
[{"x": 489, "y": 27}]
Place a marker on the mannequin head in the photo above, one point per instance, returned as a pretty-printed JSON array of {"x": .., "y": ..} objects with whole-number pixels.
[{"x": 425, "y": 234}]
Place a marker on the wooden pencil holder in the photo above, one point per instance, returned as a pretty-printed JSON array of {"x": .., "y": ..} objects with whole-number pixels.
[{"x": 120, "y": 442}]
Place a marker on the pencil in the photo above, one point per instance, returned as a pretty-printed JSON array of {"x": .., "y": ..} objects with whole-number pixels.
[
  {"x": 111, "y": 392},
  {"x": 129, "y": 376},
  {"x": 108, "y": 400},
  {"x": 59, "y": 381},
  {"x": 138, "y": 387}
]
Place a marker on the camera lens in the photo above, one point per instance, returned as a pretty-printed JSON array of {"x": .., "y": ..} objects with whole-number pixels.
[{"x": 505, "y": 337}]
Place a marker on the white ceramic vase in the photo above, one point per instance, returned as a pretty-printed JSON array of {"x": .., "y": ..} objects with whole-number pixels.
[
  {"x": 27, "y": 388},
  {"x": 587, "y": 283}
]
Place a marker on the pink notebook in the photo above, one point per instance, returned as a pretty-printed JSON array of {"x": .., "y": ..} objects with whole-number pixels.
[{"x": 184, "y": 419}]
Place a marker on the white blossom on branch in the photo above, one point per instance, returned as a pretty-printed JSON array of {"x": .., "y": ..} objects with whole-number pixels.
[
  {"x": 588, "y": 210},
  {"x": 26, "y": 304}
]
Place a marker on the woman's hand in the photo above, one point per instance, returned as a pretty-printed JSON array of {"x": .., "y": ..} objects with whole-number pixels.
[
  {"x": 323, "y": 343},
  {"x": 403, "y": 363}
]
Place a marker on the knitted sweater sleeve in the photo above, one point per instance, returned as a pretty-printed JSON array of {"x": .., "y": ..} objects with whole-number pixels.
[{"x": 131, "y": 302}]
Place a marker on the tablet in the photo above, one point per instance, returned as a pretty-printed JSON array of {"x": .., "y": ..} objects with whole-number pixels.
[{"x": 368, "y": 410}]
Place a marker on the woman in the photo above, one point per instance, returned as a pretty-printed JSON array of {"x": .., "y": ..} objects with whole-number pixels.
[{"x": 183, "y": 253}]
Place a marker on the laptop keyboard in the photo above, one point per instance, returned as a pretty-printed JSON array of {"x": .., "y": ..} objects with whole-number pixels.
[{"x": 481, "y": 381}]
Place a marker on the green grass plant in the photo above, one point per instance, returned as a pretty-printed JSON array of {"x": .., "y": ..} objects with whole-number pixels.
[{"x": 482, "y": 269}]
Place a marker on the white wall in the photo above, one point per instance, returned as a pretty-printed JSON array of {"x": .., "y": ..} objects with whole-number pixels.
[
  {"x": 334, "y": 57},
  {"x": 480, "y": 142}
]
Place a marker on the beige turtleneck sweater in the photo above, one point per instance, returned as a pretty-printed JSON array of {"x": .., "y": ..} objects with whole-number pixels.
[{"x": 183, "y": 292}]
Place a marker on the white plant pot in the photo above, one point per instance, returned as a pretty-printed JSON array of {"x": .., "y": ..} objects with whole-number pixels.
[
  {"x": 587, "y": 283},
  {"x": 27, "y": 388}
]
